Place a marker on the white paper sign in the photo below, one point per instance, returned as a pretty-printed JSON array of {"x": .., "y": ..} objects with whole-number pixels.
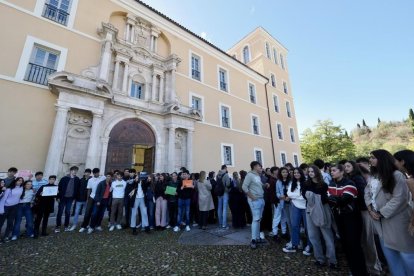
[{"x": 50, "y": 191}]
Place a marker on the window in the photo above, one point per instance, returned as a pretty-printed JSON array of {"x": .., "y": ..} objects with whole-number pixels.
[
  {"x": 225, "y": 116},
  {"x": 292, "y": 135},
  {"x": 275, "y": 55},
  {"x": 252, "y": 93},
  {"x": 196, "y": 103},
  {"x": 258, "y": 156},
  {"x": 276, "y": 103},
  {"x": 223, "y": 80},
  {"x": 282, "y": 62},
  {"x": 273, "y": 80},
  {"x": 43, "y": 62},
  {"x": 137, "y": 90},
  {"x": 227, "y": 154},
  {"x": 255, "y": 125},
  {"x": 246, "y": 54},
  {"x": 57, "y": 10},
  {"x": 279, "y": 132},
  {"x": 283, "y": 158},
  {"x": 195, "y": 67},
  {"x": 296, "y": 160},
  {"x": 289, "y": 113},
  {"x": 267, "y": 51},
  {"x": 285, "y": 88}
]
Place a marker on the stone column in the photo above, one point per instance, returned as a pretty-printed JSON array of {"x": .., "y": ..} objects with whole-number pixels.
[
  {"x": 104, "y": 141},
  {"x": 190, "y": 134},
  {"x": 132, "y": 34},
  {"x": 125, "y": 80},
  {"x": 161, "y": 92},
  {"x": 171, "y": 149},
  {"x": 54, "y": 154},
  {"x": 92, "y": 155},
  {"x": 116, "y": 75},
  {"x": 127, "y": 32},
  {"x": 105, "y": 59},
  {"x": 173, "y": 96},
  {"x": 154, "y": 86}
]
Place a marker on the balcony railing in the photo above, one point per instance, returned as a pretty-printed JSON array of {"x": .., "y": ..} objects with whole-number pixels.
[
  {"x": 53, "y": 13},
  {"x": 38, "y": 74},
  {"x": 225, "y": 122},
  {"x": 195, "y": 74}
]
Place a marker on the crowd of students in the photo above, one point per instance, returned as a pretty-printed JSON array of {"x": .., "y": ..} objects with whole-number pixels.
[{"x": 366, "y": 205}]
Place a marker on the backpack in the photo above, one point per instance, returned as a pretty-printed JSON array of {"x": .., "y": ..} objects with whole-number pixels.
[{"x": 219, "y": 188}]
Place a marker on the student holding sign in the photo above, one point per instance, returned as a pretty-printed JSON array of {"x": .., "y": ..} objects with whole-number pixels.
[
  {"x": 171, "y": 196},
  {"x": 184, "y": 200},
  {"x": 44, "y": 205}
]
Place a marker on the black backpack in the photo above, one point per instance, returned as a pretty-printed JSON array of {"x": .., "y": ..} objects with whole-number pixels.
[{"x": 219, "y": 188}]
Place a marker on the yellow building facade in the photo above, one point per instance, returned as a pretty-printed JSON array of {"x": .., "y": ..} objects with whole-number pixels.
[{"x": 125, "y": 86}]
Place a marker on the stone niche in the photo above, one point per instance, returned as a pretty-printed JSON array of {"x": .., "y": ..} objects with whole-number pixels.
[{"x": 77, "y": 140}]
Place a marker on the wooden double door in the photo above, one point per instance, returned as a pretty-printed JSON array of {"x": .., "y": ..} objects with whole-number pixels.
[{"x": 131, "y": 145}]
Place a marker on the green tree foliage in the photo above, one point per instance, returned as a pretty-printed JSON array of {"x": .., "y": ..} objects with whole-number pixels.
[
  {"x": 392, "y": 136},
  {"x": 411, "y": 118},
  {"x": 327, "y": 141}
]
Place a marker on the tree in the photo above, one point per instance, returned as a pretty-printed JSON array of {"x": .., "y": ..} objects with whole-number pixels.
[
  {"x": 379, "y": 121},
  {"x": 411, "y": 118},
  {"x": 363, "y": 123},
  {"x": 328, "y": 142}
]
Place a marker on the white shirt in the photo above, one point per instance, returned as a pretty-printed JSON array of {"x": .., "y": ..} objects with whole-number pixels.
[
  {"x": 118, "y": 188},
  {"x": 296, "y": 197},
  {"x": 374, "y": 185},
  {"x": 93, "y": 184},
  {"x": 140, "y": 193}
]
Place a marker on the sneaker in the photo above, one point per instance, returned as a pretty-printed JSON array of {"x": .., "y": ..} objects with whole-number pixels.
[
  {"x": 111, "y": 228},
  {"x": 290, "y": 249},
  {"x": 90, "y": 230},
  {"x": 118, "y": 227},
  {"x": 261, "y": 241},
  {"x": 253, "y": 244},
  {"x": 319, "y": 264},
  {"x": 6, "y": 239},
  {"x": 32, "y": 236},
  {"x": 67, "y": 229},
  {"x": 289, "y": 244},
  {"x": 176, "y": 229},
  {"x": 99, "y": 228},
  {"x": 151, "y": 228},
  {"x": 187, "y": 228},
  {"x": 14, "y": 238},
  {"x": 83, "y": 229},
  {"x": 333, "y": 266},
  {"x": 195, "y": 224},
  {"x": 225, "y": 227},
  {"x": 57, "y": 230},
  {"x": 168, "y": 227},
  {"x": 271, "y": 234},
  {"x": 262, "y": 235},
  {"x": 307, "y": 251},
  {"x": 139, "y": 225},
  {"x": 73, "y": 228}
]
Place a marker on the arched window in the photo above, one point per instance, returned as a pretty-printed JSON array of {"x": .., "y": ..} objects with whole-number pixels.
[{"x": 246, "y": 54}]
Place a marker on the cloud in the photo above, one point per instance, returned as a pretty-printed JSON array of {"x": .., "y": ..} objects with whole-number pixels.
[{"x": 252, "y": 9}]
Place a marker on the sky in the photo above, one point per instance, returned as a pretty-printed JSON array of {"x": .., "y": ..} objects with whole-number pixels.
[{"x": 348, "y": 59}]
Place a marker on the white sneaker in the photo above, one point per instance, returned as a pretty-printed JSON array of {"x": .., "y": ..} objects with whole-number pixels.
[
  {"x": 67, "y": 229},
  {"x": 139, "y": 225},
  {"x": 99, "y": 228},
  {"x": 73, "y": 228},
  {"x": 168, "y": 227},
  {"x": 57, "y": 230},
  {"x": 187, "y": 228},
  {"x": 14, "y": 238},
  {"x": 289, "y": 244},
  {"x": 111, "y": 228},
  {"x": 90, "y": 230},
  {"x": 176, "y": 229},
  {"x": 262, "y": 235},
  {"x": 307, "y": 251},
  {"x": 82, "y": 230},
  {"x": 118, "y": 227},
  {"x": 195, "y": 224}
]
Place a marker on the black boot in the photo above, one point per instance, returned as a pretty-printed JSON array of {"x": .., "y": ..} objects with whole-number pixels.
[{"x": 134, "y": 231}]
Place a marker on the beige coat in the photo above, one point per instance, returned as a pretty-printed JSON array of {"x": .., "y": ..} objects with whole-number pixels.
[
  {"x": 397, "y": 214},
  {"x": 205, "y": 199}
]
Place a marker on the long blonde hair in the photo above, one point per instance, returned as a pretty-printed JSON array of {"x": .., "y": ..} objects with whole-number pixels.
[{"x": 202, "y": 177}]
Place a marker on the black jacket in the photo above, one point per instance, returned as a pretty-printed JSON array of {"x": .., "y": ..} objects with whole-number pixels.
[
  {"x": 360, "y": 184},
  {"x": 160, "y": 189},
  {"x": 82, "y": 194},
  {"x": 44, "y": 203},
  {"x": 311, "y": 186},
  {"x": 100, "y": 190},
  {"x": 63, "y": 184},
  {"x": 185, "y": 193},
  {"x": 343, "y": 196},
  {"x": 144, "y": 187}
]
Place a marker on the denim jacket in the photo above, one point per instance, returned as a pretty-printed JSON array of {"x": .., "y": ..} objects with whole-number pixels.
[{"x": 280, "y": 191}]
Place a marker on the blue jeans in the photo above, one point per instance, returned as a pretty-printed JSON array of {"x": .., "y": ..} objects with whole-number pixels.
[
  {"x": 399, "y": 263},
  {"x": 65, "y": 203},
  {"x": 25, "y": 210},
  {"x": 296, "y": 217},
  {"x": 98, "y": 212},
  {"x": 183, "y": 207},
  {"x": 223, "y": 202},
  {"x": 151, "y": 212},
  {"x": 79, "y": 205},
  {"x": 257, "y": 207},
  {"x": 139, "y": 204},
  {"x": 279, "y": 217}
]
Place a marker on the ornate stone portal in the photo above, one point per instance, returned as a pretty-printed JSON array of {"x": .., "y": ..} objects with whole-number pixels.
[{"x": 131, "y": 82}]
